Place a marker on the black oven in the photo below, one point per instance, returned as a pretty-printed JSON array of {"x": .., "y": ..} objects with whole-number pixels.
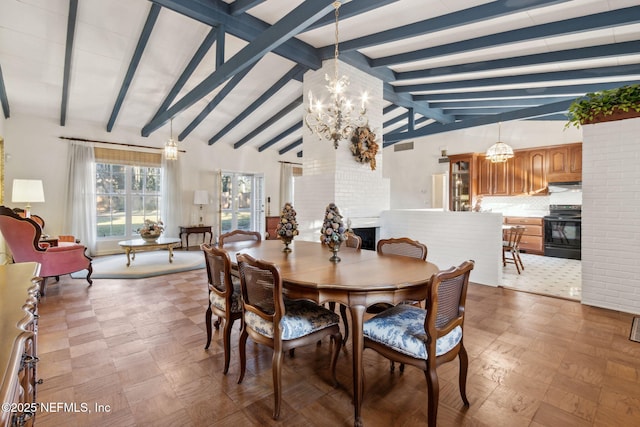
[{"x": 562, "y": 231}]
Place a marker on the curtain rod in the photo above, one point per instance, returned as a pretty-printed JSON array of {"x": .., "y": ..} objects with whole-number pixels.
[
  {"x": 291, "y": 163},
  {"x": 113, "y": 143}
]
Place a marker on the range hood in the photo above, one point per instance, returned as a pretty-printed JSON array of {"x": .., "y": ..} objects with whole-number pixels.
[{"x": 559, "y": 187}]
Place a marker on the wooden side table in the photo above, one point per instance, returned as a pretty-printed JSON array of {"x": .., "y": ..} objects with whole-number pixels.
[{"x": 195, "y": 229}]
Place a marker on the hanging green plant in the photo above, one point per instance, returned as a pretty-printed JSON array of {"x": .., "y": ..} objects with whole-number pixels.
[{"x": 605, "y": 105}]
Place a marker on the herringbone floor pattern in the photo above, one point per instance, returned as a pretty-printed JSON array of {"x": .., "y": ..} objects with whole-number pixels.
[{"x": 132, "y": 352}]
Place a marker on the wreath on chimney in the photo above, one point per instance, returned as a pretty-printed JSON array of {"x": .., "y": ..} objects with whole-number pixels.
[{"x": 364, "y": 146}]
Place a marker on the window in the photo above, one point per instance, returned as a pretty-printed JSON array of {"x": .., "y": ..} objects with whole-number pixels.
[
  {"x": 241, "y": 202},
  {"x": 126, "y": 193}
]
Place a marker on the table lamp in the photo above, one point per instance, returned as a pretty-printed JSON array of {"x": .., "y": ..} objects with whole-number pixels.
[
  {"x": 27, "y": 191},
  {"x": 201, "y": 197}
]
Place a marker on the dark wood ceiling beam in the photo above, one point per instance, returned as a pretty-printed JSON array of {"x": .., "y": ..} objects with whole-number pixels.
[
  {"x": 133, "y": 64},
  {"x": 281, "y": 136},
  {"x": 286, "y": 28},
  {"x": 498, "y": 103},
  {"x": 266, "y": 124},
  {"x": 452, "y": 20},
  {"x": 189, "y": 69},
  {"x": 71, "y": 30},
  {"x": 294, "y": 74},
  {"x": 532, "y": 92},
  {"x": 348, "y": 10},
  {"x": 587, "y": 23},
  {"x": 402, "y": 117},
  {"x": 4, "y": 100},
  {"x": 600, "y": 72},
  {"x": 244, "y": 26},
  {"x": 389, "y": 108},
  {"x": 235, "y": 80},
  {"x": 602, "y": 51},
  {"x": 290, "y": 147},
  {"x": 435, "y": 128},
  {"x": 238, "y": 7}
]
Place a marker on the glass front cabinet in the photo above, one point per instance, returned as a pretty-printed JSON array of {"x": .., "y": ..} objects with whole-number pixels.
[{"x": 461, "y": 182}]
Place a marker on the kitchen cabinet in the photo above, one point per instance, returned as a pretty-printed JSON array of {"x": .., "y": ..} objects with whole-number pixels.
[
  {"x": 525, "y": 173},
  {"x": 462, "y": 181},
  {"x": 493, "y": 178},
  {"x": 565, "y": 163},
  {"x": 533, "y": 238},
  {"x": 537, "y": 172}
]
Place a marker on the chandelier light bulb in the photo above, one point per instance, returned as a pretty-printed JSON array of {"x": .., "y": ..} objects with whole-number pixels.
[{"x": 335, "y": 122}]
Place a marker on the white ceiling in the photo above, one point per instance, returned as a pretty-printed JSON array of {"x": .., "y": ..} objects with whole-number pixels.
[{"x": 33, "y": 39}]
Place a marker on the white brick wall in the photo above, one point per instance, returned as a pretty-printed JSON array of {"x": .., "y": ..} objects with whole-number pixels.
[
  {"x": 610, "y": 215},
  {"x": 333, "y": 175},
  {"x": 452, "y": 238}
]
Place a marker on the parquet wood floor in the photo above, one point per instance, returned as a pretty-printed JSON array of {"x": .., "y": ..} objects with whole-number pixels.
[{"x": 136, "y": 348}]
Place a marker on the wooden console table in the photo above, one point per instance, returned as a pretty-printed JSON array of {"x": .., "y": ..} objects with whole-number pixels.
[{"x": 195, "y": 229}]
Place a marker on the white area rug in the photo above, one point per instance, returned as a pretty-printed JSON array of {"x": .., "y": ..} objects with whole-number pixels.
[{"x": 146, "y": 264}]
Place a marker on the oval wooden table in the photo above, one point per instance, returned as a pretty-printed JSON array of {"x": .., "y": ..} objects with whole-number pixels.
[{"x": 360, "y": 279}]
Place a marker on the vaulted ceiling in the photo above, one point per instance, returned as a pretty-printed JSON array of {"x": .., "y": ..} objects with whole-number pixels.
[{"x": 230, "y": 72}]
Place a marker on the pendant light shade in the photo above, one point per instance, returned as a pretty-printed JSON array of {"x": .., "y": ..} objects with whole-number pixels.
[{"x": 499, "y": 152}]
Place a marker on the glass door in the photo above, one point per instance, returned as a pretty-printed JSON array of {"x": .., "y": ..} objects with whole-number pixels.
[{"x": 241, "y": 202}]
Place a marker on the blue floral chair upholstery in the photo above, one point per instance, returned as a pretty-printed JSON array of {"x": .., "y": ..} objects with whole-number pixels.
[
  {"x": 427, "y": 338},
  {"x": 224, "y": 297},
  {"x": 275, "y": 321}
]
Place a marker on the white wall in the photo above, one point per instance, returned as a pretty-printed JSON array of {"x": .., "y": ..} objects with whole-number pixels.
[
  {"x": 452, "y": 238},
  {"x": 33, "y": 149},
  {"x": 410, "y": 171},
  {"x": 610, "y": 220}
]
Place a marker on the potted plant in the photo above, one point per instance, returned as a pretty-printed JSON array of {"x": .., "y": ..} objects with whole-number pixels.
[
  {"x": 151, "y": 230},
  {"x": 606, "y": 105}
]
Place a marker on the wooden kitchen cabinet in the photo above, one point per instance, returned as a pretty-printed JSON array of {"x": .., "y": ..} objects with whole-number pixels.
[
  {"x": 493, "y": 178},
  {"x": 462, "y": 181},
  {"x": 537, "y": 172},
  {"x": 533, "y": 238},
  {"x": 564, "y": 163}
]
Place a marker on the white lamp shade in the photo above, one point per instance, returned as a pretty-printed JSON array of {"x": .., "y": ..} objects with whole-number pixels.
[
  {"x": 200, "y": 197},
  {"x": 27, "y": 191}
]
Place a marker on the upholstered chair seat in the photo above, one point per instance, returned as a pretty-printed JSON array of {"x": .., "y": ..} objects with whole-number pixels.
[
  {"x": 402, "y": 328},
  {"x": 300, "y": 318}
]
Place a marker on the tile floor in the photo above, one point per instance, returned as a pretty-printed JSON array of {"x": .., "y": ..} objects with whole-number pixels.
[{"x": 542, "y": 275}]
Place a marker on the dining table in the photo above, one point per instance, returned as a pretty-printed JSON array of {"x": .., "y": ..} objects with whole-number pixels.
[{"x": 360, "y": 279}]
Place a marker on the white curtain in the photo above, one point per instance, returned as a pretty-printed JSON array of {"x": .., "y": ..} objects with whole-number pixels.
[
  {"x": 286, "y": 184},
  {"x": 80, "y": 217},
  {"x": 171, "y": 199}
]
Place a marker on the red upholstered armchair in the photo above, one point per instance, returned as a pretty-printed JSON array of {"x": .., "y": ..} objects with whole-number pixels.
[{"x": 23, "y": 238}]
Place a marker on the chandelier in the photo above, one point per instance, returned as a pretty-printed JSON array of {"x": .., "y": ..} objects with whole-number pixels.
[
  {"x": 335, "y": 122},
  {"x": 170, "y": 147},
  {"x": 499, "y": 152}
]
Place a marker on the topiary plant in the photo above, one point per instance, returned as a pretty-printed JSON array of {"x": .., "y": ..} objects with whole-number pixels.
[{"x": 594, "y": 105}]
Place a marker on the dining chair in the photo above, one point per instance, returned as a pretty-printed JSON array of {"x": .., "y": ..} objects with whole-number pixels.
[
  {"x": 427, "y": 338},
  {"x": 401, "y": 246},
  {"x": 280, "y": 323},
  {"x": 511, "y": 247},
  {"x": 224, "y": 297},
  {"x": 353, "y": 240},
  {"x": 238, "y": 236}
]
